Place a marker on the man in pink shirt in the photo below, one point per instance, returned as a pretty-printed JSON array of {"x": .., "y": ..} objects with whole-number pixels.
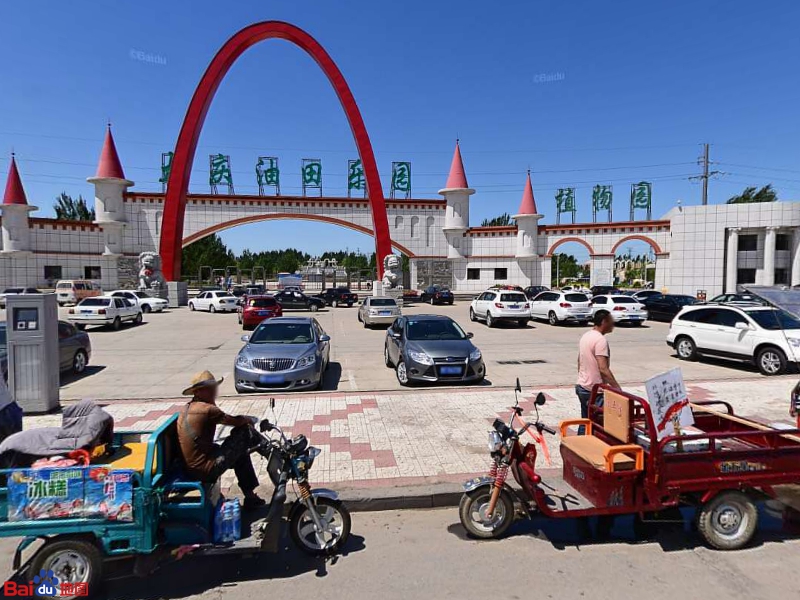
[{"x": 594, "y": 361}]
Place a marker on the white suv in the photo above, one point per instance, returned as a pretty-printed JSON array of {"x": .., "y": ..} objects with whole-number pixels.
[
  {"x": 557, "y": 307},
  {"x": 768, "y": 337},
  {"x": 623, "y": 309},
  {"x": 494, "y": 306}
]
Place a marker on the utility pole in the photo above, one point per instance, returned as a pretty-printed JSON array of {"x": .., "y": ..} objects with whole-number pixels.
[{"x": 704, "y": 162}]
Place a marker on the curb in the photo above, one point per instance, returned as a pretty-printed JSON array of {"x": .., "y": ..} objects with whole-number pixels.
[{"x": 439, "y": 495}]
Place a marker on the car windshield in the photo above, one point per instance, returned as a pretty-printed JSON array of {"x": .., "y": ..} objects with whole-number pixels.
[
  {"x": 684, "y": 300},
  {"x": 512, "y": 298},
  {"x": 64, "y": 286},
  {"x": 434, "y": 329},
  {"x": 624, "y": 300},
  {"x": 576, "y": 298},
  {"x": 382, "y": 302},
  {"x": 282, "y": 333},
  {"x": 773, "y": 319},
  {"x": 94, "y": 302},
  {"x": 261, "y": 302}
]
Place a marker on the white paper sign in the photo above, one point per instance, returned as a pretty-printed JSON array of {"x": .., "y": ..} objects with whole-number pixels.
[{"x": 669, "y": 402}]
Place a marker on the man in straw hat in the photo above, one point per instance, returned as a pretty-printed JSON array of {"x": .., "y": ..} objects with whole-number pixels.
[{"x": 196, "y": 427}]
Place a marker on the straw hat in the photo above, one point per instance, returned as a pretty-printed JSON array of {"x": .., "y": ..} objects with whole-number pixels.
[{"x": 201, "y": 380}]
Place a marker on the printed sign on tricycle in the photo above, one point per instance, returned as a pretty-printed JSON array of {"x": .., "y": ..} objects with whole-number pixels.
[{"x": 669, "y": 402}]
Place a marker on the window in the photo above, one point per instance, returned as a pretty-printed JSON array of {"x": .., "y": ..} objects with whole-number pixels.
[
  {"x": 91, "y": 272},
  {"x": 414, "y": 227},
  {"x": 728, "y": 318},
  {"x": 782, "y": 276},
  {"x": 783, "y": 241},
  {"x": 748, "y": 243},
  {"x": 429, "y": 231},
  {"x": 473, "y": 274},
  {"x": 576, "y": 297},
  {"x": 119, "y": 303},
  {"x": 398, "y": 222},
  {"x": 489, "y": 296},
  {"x": 52, "y": 272},
  {"x": 501, "y": 274},
  {"x": 599, "y": 300},
  {"x": 745, "y": 276}
]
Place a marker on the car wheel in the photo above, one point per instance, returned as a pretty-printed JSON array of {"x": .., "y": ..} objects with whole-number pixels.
[
  {"x": 489, "y": 320},
  {"x": 637, "y": 323},
  {"x": 349, "y": 306},
  {"x": 364, "y": 321},
  {"x": 522, "y": 322},
  {"x": 313, "y": 308},
  {"x": 79, "y": 362},
  {"x": 431, "y": 301},
  {"x": 80, "y": 326},
  {"x": 685, "y": 348},
  {"x": 191, "y": 306},
  {"x": 771, "y": 361},
  {"x": 386, "y": 359},
  {"x": 402, "y": 374},
  {"x": 116, "y": 324},
  {"x": 472, "y": 315},
  {"x": 239, "y": 318},
  {"x": 552, "y": 318},
  {"x": 335, "y": 303},
  {"x": 450, "y": 303},
  {"x": 146, "y": 308},
  {"x": 212, "y": 308},
  {"x": 138, "y": 319}
]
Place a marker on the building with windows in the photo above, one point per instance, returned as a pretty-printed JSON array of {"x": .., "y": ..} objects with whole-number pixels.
[{"x": 697, "y": 248}]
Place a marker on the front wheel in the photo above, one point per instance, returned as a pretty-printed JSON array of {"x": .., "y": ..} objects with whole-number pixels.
[
  {"x": 335, "y": 521},
  {"x": 212, "y": 308},
  {"x": 387, "y": 360},
  {"x": 552, "y": 318},
  {"x": 313, "y": 308},
  {"x": 771, "y": 361},
  {"x": 472, "y": 315},
  {"x": 138, "y": 319},
  {"x": 728, "y": 521},
  {"x": 70, "y": 561},
  {"x": 472, "y": 512},
  {"x": 191, "y": 306},
  {"x": 116, "y": 324},
  {"x": 146, "y": 308},
  {"x": 79, "y": 362},
  {"x": 685, "y": 348},
  {"x": 335, "y": 303},
  {"x": 432, "y": 301},
  {"x": 489, "y": 320},
  {"x": 402, "y": 374}
]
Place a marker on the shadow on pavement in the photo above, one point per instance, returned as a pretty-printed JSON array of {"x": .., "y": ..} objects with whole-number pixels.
[
  {"x": 195, "y": 575},
  {"x": 332, "y": 376},
  {"x": 67, "y": 377}
]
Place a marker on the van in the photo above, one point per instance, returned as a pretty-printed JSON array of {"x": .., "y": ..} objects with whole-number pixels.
[{"x": 72, "y": 291}]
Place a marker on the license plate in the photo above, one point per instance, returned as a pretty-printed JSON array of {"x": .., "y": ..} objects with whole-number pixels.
[
  {"x": 271, "y": 379},
  {"x": 385, "y": 313},
  {"x": 450, "y": 370},
  {"x": 86, "y": 312},
  {"x": 261, "y": 313},
  {"x": 514, "y": 307}
]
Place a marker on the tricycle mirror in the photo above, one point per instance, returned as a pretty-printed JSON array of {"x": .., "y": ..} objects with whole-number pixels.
[
  {"x": 540, "y": 399},
  {"x": 517, "y": 387},
  {"x": 265, "y": 425},
  {"x": 245, "y": 338},
  {"x": 272, "y": 403},
  {"x": 470, "y": 335}
]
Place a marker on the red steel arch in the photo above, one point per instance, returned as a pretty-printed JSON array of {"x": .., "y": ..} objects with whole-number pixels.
[{"x": 178, "y": 183}]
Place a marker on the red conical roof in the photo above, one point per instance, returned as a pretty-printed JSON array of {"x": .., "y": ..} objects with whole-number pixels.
[
  {"x": 457, "y": 179},
  {"x": 109, "y": 165},
  {"x": 528, "y": 204},
  {"x": 15, "y": 193}
]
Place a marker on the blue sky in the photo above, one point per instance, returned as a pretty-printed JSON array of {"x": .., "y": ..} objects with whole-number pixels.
[{"x": 640, "y": 86}]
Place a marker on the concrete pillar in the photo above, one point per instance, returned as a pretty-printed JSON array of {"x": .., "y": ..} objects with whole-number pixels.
[
  {"x": 662, "y": 273},
  {"x": 732, "y": 265},
  {"x": 796, "y": 257},
  {"x": 769, "y": 256},
  {"x": 547, "y": 273}
]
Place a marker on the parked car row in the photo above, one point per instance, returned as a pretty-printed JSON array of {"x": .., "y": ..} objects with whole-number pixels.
[{"x": 74, "y": 349}]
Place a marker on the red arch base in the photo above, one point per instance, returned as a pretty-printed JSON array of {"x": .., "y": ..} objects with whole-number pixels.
[{"x": 178, "y": 183}]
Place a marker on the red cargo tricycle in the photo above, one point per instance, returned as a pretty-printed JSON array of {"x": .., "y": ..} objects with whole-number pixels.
[{"x": 614, "y": 464}]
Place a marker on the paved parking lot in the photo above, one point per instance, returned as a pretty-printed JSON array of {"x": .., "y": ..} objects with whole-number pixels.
[{"x": 156, "y": 359}]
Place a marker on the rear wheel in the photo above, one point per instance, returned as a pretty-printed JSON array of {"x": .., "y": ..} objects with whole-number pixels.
[
  {"x": 386, "y": 358},
  {"x": 335, "y": 303},
  {"x": 80, "y": 326},
  {"x": 116, "y": 324},
  {"x": 146, "y": 308},
  {"x": 191, "y": 306},
  {"x": 522, "y": 322},
  {"x": 472, "y": 512},
  {"x": 771, "y": 361},
  {"x": 472, "y": 315},
  {"x": 335, "y": 520},
  {"x": 70, "y": 561},
  {"x": 212, "y": 308},
  {"x": 685, "y": 348},
  {"x": 552, "y": 318},
  {"x": 79, "y": 362},
  {"x": 138, "y": 319},
  {"x": 432, "y": 301},
  {"x": 313, "y": 308},
  {"x": 489, "y": 320},
  {"x": 728, "y": 521}
]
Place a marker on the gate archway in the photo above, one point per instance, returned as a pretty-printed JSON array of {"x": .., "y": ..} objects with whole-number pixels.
[{"x": 178, "y": 183}]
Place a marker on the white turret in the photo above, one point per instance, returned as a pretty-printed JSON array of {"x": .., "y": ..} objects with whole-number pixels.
[
  {"x": 110, "y": 186},
  {"x": 456, "y": 221},
  {"x": 15, "y": 209},
  {"x": 527, "y": 219}
]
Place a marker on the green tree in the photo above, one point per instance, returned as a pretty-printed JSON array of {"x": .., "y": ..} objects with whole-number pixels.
[
  {"x": 565, "y": 266},
  {"x": 209, "y": 251},
  {"x": 69, "y": 209},
  {"x": 502, "y": 220},
  {"x": 751, "y": 196}
]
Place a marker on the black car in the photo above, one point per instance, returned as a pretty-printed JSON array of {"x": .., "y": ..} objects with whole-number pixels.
[
  {"x": 298, "y": 301},
  {"x": 337, "y": 296},
  {"x": 437, "y": 294},
  {"x": 665, "y": 307},
  {"x": 604, "y": 290},
  {"x": 534, "y": 290}
]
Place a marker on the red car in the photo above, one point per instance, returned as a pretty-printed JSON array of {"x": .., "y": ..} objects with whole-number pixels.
[{"x": 255, "y": 309}]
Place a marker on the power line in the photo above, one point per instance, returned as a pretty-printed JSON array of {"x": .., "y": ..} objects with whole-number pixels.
[{"x": 704, "y": 176}]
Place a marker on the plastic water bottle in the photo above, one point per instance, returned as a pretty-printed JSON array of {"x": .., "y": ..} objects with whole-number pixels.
[
  {"x": 237, "y": 520},
  {"x": 218, "y": 523},
  {"x": 227, "y": 522}
]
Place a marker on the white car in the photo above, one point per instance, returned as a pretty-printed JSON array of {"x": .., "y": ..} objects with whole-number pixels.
[
  {"x": 148, "y": 303},
  {"x": 559, "y": 306},
  {"x": 215, "y": 301},
  {"x": 104, "y": 310},
  {"x": 768, "y": 337},
  {"x": 494, "y": 306},
  {"x": 624, "y": 309}
]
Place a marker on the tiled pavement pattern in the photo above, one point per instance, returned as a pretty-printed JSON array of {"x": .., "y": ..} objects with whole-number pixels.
[{"x": 420, "y": 436}]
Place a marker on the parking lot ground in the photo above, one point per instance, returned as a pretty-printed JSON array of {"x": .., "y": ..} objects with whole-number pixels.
[{"x": 156, "y": 359}]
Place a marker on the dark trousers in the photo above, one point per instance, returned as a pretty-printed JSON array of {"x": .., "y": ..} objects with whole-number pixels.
[
  {"x": 584, "y": 396},
  {"x": 234, "y": 453},
  {"x": 10, "y": 420}
]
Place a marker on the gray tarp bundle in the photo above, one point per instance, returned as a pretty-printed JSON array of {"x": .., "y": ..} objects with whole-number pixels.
[{"x": 83, "y": 425}]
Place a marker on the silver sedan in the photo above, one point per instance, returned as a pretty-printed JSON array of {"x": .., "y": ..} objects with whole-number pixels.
[{"x": 378, "y": 310}]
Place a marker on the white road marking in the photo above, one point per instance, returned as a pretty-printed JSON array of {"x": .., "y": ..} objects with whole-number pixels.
[{"x": 351, "y": 377}]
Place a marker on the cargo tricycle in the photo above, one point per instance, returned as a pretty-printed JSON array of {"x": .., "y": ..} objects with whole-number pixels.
[
  {"x": 614, "y": 464},
  {"x": 168, "y": 517}
]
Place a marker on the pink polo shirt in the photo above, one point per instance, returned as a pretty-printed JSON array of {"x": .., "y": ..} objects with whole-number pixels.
[{"x": 592, "y": 344}]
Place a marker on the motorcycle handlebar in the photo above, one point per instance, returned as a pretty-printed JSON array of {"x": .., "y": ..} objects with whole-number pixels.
[{"x": 549, "y": 430}]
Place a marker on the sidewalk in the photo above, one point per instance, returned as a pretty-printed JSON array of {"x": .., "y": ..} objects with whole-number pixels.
[{"x": 416, "y": 447}]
